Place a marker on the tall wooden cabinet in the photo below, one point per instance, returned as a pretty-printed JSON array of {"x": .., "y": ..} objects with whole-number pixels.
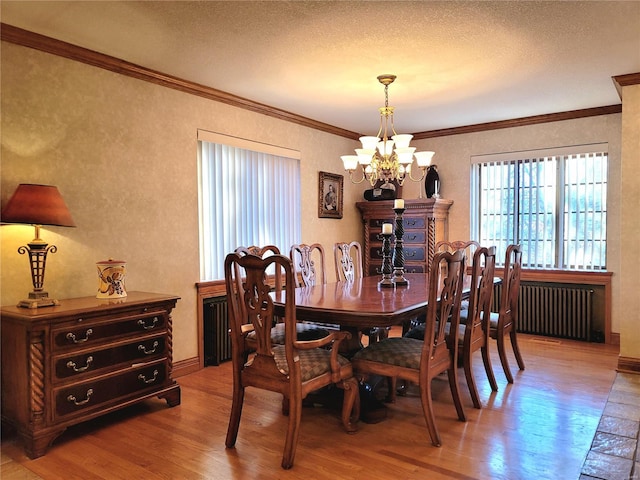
[
  {"x": 425, "y": 223},
  {"x": 66, "y": 364}
]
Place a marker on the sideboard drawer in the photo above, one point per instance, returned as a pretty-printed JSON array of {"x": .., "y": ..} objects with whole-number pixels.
[
  {"x": 91, "y": 362},
  {"x": 95, "y": 393},
  {"x": 84, "y": 332}
]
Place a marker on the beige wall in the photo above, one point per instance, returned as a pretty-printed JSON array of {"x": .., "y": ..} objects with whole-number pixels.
[
  {"x": 123, "y": 153},
  {"x": 630, "y": 229}
]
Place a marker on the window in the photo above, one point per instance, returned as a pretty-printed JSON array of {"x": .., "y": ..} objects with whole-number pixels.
[
  {"x": 249, "y": 194},
  {"x": 553, "y": 203}
]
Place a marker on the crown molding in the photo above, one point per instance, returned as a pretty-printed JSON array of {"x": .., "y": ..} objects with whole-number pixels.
[
  {"x": 50, "y": 45},
  {"x": 520, "y": 122},
  {"x": 624, "y": 81}
]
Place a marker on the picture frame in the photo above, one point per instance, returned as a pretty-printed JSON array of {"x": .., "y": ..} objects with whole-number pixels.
[{"x": 330, "y": 194}]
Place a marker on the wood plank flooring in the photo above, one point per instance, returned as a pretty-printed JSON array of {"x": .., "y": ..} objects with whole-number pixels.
[{"x": 541, "y": 427}]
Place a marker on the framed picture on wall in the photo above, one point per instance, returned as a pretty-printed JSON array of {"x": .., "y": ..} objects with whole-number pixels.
[{"x": 330, "y": 188}]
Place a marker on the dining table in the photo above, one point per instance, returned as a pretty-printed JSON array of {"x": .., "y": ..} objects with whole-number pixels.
[
  {"x": 358, "y": 305},
  {"x": 361, "y": 304}
]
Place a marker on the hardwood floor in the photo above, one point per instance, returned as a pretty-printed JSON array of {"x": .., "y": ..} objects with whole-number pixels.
[{"x": 541, "y": 427}]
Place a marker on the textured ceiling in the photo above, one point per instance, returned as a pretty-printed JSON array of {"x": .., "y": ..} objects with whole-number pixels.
[{"x": 457, "y": 63}]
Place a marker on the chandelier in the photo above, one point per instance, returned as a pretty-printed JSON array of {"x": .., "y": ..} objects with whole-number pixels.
[{"x": 389, "y": 157}]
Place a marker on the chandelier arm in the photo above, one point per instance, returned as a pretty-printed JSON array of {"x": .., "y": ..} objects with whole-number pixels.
[
  {"x": 356, "y": 182},
  {"x": 424, "y": 173}
]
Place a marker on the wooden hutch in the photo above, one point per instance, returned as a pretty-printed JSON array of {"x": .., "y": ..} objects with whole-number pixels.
[{"x": 425, "y": 223}]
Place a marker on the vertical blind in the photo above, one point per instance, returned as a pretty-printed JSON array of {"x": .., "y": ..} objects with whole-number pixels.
[
  {"x": 246, "y": 197},
  {"x": 553, "y": 203}
]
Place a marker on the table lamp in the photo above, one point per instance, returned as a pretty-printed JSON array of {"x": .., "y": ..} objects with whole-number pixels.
[{"x": 37, "y": 205}]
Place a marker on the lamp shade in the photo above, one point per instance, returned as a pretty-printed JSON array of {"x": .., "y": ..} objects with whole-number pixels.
[{"x": 37, "y": 205}]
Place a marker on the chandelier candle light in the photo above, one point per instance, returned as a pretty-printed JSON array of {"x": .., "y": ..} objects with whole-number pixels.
[{"x": 389, "y": 157}]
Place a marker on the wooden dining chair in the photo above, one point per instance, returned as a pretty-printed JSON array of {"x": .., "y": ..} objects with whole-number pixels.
[
  {"x": 420, "y": 361},
  {"x": 308, "y": 264},
  {"x": 505, "y": 321},
  {"x": 294, "y": 368},
  {"x": 469, "y": 246},
  {"x": 348, "y": 262},
  {"x": 473, "y": 332},
  {"x": 309, "y": 269},
  {"x": 305, "y": 331}
]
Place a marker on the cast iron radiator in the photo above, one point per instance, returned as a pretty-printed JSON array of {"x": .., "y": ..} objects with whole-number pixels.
[
  {"x": 553, "y": 310},
  {"x": 217, "y": 342}
]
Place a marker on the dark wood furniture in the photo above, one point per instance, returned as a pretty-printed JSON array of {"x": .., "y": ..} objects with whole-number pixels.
[
  {"x": 309, "y": 266},
  {"x": 474, "y": 326},
  {"x": 359, "y": 305},
  {"x": 294, "y": 369},
  {"x": 425, "y": 223},
  {"x": 505, "y": 322},
  {"x": 347, "y": 258},
  {"x": 420, "y": 361},
  {"x": 66, "y": 364}
]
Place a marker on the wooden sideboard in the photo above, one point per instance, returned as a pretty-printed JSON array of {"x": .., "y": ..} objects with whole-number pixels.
[
  {"x": 425, "y": 223},
  {"x": 66, "y": 364}
]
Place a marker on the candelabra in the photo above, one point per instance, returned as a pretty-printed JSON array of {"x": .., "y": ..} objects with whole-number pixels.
[
  {"x": 398, "y": 252},
  {"x": 386, "y": 261}
]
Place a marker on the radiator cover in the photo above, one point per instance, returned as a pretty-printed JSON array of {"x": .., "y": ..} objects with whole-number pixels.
[
  {"x": 217, "y": 342},
  {"x": 554, "y": 310}
]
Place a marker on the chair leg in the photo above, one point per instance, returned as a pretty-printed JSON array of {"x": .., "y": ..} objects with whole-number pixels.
[
  {"x": 391, "y": 386},
  {"x": 293, "y": 430},
  {"x": 486, "y": 359},
  {"x": 471, "y": 383},
  {"x": 503, "y": 357},
  {"x": 234, "y": 417},
  {"x": 455, "y": 391},
  {"x": 285, "y": 406},
  {"x": 350, "y": 404},
  {"x": 516, "y": 349},
  {"x": 427, "y": 409}
]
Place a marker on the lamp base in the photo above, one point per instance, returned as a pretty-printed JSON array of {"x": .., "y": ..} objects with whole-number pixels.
[{"x": 38, "y": 300}]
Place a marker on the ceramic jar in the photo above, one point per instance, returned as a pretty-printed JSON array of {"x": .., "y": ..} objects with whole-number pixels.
[{"x": 111, "y": 275}]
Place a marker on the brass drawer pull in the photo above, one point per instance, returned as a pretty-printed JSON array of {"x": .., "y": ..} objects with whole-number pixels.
[
  {"x": 72, "y": 338},
  {"x": 151, "y": 380},
  {"x": 143, "y": 323},
  {"x": 144, "y": 350},
  {"x": 72, "y": 365},
  {"x": 72, "y": 399}
]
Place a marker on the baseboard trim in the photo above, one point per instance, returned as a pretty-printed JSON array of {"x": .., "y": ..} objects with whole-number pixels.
[
  {"x": 185, "y": 367},
  {"x": 614, "y": 339},
  {"x": 628, "y": 365}
]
